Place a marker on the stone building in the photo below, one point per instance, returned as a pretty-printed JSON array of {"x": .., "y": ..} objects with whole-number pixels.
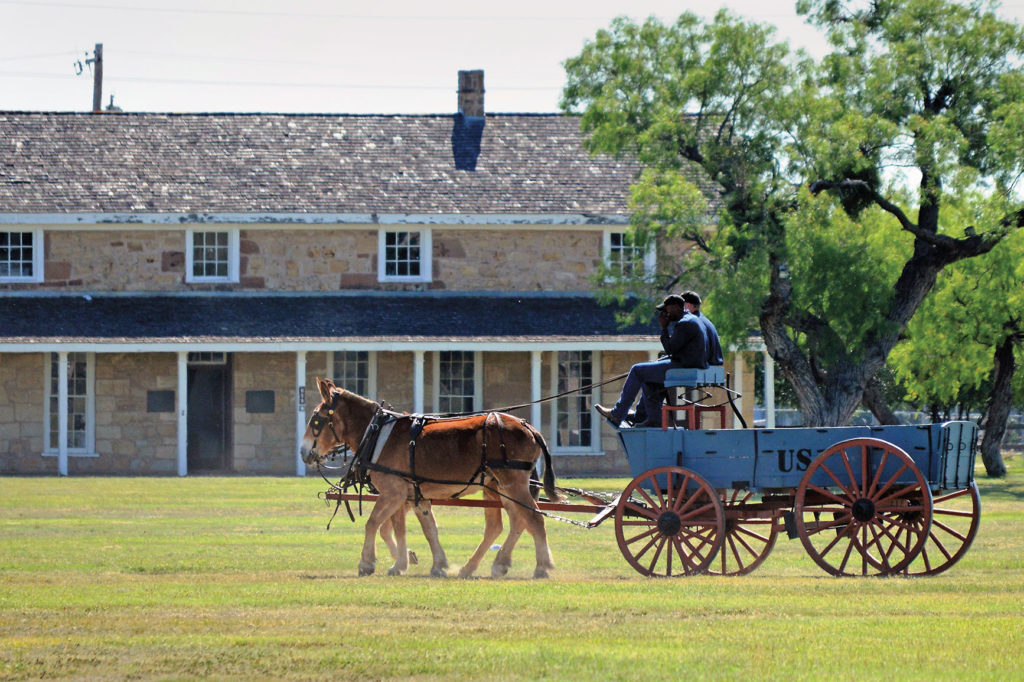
[{"x": 171, "y": 285}]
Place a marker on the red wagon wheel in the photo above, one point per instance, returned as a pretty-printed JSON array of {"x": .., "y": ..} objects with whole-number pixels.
[
  {"x": 863, "y": 498},
  {"x": 955, "y": 518},
  {"x": 749, "y": 535},
  {"x": 669, "y": 522}
]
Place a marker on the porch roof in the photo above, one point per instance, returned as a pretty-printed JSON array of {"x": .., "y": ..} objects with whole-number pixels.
[{"x": 141, "y": 322}]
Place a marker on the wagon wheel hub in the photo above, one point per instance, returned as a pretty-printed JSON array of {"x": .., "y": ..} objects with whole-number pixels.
[
  {"x": 669, "y": 523},
  {"x": 863, "y": 510}
]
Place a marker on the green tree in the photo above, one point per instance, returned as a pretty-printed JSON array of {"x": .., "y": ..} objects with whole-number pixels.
[
  {"x": 968, "y": 336},
  {"x": 919, "y": 101}
]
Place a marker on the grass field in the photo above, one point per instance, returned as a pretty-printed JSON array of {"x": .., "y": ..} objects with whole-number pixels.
[{"x": 237, "y": 578}]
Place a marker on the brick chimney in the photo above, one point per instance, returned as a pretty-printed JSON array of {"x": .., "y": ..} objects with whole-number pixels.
[{"x": 471, "y": 93}]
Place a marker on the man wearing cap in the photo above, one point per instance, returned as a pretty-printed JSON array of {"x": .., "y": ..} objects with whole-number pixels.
[
  {"x": 685, "y": 343},
  {"x": 692, "y": 300}
]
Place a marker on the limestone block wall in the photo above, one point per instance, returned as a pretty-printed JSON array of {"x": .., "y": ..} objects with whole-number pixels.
[
  {"x": 115, "y": 259},
  {"x": 22, "y": 392},
  {"x": 332, "y": 258},
  {"x": 130, "y": 440},
  {"x": 264, "y": 443},
  {"x": 515, "y": 260}
]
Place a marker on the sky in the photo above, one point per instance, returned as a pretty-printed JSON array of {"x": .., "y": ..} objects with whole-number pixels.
[{"x": 322, "y": 56}]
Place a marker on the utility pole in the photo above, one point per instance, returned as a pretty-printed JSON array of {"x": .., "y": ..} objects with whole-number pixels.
[{"x": 97, "y": 78}]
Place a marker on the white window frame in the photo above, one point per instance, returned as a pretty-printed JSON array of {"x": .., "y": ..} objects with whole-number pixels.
[
  {"x": 595, "y": 422},
  {"x": 371, "y": 370},
  {"x": 38, "y": 247},
  {"x": 477, "y": 380},
  {"x": 89, "y": 450},
  {"x": 233, "y": 256},
  {"x": 426, "y": 256},
  {"x": 650, "y": 260}
]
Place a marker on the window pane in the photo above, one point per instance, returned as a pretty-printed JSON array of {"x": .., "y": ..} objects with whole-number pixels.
[
  {"x": 456, "y": 386},
  {"x": 16, "y": 253},
  {"x": 402, "y": 254},
  {"x": 211, "y": 255},
  {"x": 352, "y": 371},
  {"x": 573, "y": 411},
  {"x": 77, "y": 400}
]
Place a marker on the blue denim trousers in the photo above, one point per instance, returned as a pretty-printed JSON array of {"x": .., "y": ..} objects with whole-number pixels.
[{"x": 648, "y": 378}]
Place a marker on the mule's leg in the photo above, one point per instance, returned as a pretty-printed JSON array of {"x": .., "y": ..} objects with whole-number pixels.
[
  {"x": 401, "y": 552},
  {"x": 492, "y": 529},
  {"x": 535, "y": 525},
  {"x": 425, "y": 515},
  {"x": 524, "y": 515},
  {"x": 383, "y": 510},
  {"x": 516, "y": 526},
  {"x": 387, "y": 535}
]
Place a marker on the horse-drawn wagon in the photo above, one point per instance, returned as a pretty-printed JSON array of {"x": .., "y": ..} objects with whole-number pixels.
[{"x": 886, "y": 500}]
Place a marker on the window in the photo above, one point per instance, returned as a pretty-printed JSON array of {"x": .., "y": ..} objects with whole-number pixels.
[
  {"x": 80, "y": 404},
  {"x": 623, "y": 256},
  {"x": 573, "y": 417},
  {"x": 353, "y": 370},
  {"x": 404, "y": 256},
  {"x": 21, "y": 256},
  {"x": 207, "y": 358},
  {"x": 211, "y": 256},
  {"x": 458, "y": 377}
]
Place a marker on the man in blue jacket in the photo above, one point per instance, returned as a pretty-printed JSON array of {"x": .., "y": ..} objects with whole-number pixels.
[
  {"x": 684, "y": 340},
  {"x": 715, "y": 357}
]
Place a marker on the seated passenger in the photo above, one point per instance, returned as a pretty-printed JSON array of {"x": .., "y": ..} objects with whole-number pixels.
[
  {"x": 715, "y": 357},
  {"x": 685, "y": 343}
]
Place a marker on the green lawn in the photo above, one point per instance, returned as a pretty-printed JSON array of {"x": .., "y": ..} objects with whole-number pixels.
[{"x": 115, "y": 578}]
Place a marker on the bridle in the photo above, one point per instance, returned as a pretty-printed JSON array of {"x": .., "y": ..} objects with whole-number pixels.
[{"x": 317, "y": 422}]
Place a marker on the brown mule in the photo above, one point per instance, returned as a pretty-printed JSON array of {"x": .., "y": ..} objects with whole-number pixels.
[{"x": 450, "y": 459}]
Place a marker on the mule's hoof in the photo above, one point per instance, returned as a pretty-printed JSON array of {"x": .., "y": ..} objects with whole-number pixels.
[
  {"x": 540, "y": 572},
  {"x": 499, "y": 570},
  {"x": 438, "y": 572},
  {"x": 365, "y": 569},
  {"x": 466, "y": 572},
  {"x": 395, "y": 571},
  {"x": 413, "y": 559}
]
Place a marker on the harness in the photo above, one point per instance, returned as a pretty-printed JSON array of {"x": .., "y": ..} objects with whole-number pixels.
[{"x": 375, "y": 438}]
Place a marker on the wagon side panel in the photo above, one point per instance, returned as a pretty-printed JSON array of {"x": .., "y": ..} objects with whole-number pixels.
[
  {"x": 724, "y": 457},
  {"x": 783, "y": 455}
]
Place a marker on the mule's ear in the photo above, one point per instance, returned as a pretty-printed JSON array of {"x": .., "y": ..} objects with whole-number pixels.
[{"x": 325, "y": 386}]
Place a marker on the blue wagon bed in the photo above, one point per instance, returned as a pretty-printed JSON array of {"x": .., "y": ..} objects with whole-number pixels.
[{"x": 863, "y": 500}]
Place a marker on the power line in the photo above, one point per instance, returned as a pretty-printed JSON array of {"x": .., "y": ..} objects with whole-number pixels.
[{"x": 291, "y": 84}]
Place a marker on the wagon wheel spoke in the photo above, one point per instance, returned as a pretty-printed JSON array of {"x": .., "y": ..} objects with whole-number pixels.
[
  {"x": 955, "y": 519},
  {"x": 821, "y": 491},
  {"x": 680, "y": 531},
  {"x": 886, "y": 512}
]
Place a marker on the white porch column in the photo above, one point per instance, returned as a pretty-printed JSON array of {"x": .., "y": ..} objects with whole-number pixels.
[
  {"x": 535, "y": 388},
  {"x": 535, "y": 396},
  {"x": 737, "y": 371},
  {"x": 300, "y": 410},
  {"x": 62, "y": 413},
  {"x": 417, "y": 381},
  {"x": 769, "y": 391},
  {"x": 182, "y": 413}
]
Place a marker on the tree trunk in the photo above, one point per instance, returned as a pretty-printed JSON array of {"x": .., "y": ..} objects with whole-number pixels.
[
  {"x": 874, "y": 400},
  {"x": 1000, "y": 402}
]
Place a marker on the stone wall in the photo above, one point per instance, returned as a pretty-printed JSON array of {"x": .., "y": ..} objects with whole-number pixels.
[
  {"x": 264, "y": 443},
  {"x": 22, "y": 391},
  {"x": 322, "y": 259}
]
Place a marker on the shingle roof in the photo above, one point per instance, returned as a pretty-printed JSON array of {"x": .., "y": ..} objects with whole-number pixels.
[
  {"x": 322, "y": 317},
  {"x": 283, "y": 163}
]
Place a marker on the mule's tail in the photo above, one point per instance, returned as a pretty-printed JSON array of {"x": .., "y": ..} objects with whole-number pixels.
[{"x": 549, "y": 472}]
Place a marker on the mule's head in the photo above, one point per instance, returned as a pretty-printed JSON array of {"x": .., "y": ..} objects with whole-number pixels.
[{"x": 325, "y": 429}]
